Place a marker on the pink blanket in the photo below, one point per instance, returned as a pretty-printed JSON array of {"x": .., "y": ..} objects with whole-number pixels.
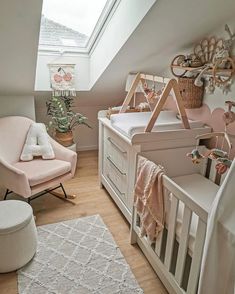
[{"x": 148, "y": 198}]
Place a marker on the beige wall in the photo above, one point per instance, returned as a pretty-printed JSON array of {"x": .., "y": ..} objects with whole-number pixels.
[
  {"x": 17, "y": 105},
  {"x": 87, "y": 139}
]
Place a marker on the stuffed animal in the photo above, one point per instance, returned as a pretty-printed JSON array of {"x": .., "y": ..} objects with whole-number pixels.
[
  {"x": 222, "y": 165},
  {"x": 217, "y": 153},
  {"x": 37, "y": 143},
  {"x": 229, "y": 115},
  {"x": 195, "y": 156}
]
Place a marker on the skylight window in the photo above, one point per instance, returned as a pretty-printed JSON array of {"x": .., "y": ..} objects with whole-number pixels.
[
  {"x": 68, "y": 42},
  {"x": 72, "y": 23}
]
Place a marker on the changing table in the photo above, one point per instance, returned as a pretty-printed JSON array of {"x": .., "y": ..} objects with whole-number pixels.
[{"x": 122, "y": 138}]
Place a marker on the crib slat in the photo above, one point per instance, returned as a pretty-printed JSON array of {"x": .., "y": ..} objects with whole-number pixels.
[
  {"x": 158, "y": 244},
  {"x": 185, "y": 198},
  {"x": 197, "y": 256},
  {"x": 213, "y": 171},
  {"x": 133, "y": 236},
  {"x": 223, "y": 177},
  {"x": 183, "y": 245},
  {"x": 203, "y": 166},
  {"x": 171, "y": 231}
]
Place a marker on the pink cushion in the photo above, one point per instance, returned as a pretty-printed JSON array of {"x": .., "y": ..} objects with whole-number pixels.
[{"x": 39, "y": 171}]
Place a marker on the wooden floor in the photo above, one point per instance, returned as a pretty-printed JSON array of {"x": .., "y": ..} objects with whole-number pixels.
[{"x": 91, "y": 200}]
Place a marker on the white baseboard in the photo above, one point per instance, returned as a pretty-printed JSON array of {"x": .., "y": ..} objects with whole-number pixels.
[{"x": 87, "y": 148}]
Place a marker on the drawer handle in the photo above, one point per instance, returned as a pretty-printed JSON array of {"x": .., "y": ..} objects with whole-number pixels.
[
  {"x": 112, "y": 182},
  {"x": 117, "y": 168},
  {"x": 116, "y": 146}
]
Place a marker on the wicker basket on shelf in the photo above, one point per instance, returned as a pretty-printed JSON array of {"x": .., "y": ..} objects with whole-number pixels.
[{"x": 192, "y": 95}]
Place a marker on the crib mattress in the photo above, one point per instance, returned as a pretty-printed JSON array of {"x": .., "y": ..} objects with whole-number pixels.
[{"x": 135, "y": 122}]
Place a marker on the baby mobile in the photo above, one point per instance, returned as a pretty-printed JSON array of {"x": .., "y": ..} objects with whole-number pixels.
[
  {"x": 150, "y": 92},
  {"x": 218, "y": 154}
]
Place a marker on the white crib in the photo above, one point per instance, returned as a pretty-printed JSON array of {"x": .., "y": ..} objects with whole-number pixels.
[{"x": 189, "y": 191}]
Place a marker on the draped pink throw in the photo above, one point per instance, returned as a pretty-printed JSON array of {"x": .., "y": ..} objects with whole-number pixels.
[{"x": 148, "y": 198}]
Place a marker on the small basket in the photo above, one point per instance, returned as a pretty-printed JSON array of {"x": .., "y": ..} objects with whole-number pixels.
[{"x": 192, "y": 95}]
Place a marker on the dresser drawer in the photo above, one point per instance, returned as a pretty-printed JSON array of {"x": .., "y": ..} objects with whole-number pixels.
[
  {"x": 116, "y": 151},
  {"x": 117, "y": 180}
]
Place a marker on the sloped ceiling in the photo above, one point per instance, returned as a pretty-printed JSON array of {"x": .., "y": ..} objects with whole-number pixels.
[
  {"x": 170, "y": 27},
  {"x": 19, "y": 31}
]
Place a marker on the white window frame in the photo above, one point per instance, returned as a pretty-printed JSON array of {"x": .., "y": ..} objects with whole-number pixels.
[{"x": 98, "y": 30}]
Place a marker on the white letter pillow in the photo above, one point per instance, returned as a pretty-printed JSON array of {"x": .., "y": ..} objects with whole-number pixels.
[{"x": 37, "y": 143}]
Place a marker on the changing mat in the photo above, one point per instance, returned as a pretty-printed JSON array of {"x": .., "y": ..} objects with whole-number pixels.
[{"x": 132, "y": 123}]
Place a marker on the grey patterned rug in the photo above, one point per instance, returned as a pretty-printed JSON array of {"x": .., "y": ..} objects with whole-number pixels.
[{"x": 77, "y": 257}]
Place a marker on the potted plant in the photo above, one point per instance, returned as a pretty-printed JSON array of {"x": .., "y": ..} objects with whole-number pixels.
[{"x": 63, "y": 119}]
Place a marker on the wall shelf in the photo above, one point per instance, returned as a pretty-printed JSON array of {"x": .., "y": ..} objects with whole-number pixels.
[{"x": 222, "y": 72}]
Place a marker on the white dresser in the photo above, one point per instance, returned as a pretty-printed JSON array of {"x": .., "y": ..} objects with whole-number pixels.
[{"x": 118, "y": 154}]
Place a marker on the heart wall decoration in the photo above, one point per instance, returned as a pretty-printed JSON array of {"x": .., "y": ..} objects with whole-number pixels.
[{"x": 62, "y": 79}]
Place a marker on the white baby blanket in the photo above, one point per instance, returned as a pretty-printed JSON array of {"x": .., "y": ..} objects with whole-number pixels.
[{"x": 37, "y": 143}]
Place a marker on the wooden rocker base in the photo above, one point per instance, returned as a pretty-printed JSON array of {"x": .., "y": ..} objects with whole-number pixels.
[{"x": 62, "y": 197}]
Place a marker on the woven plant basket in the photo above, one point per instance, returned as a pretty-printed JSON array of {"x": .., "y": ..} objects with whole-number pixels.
[{"x": 192, "y": 95}]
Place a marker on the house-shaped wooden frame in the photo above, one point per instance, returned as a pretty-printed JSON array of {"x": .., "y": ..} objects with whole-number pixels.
[{"x": 171, "y": 85}]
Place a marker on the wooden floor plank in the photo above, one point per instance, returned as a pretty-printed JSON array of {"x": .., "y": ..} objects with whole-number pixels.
[{"x": 91, "y": 200}]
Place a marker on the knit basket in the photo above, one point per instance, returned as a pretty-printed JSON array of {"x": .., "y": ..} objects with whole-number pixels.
[{"x": 192, "y": 95}]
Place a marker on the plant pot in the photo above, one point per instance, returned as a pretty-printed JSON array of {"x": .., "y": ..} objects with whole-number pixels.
[{"x": 65, "y": 139}]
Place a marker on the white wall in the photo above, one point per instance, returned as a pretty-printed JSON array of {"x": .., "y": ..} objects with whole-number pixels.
[
  {"x": 218, "y": 98},
  {"x": 82, "y": 70},
  {"x": 19, "y": 34},
  {"x": 120, "y": 27},
  {"x": 17, "y": 105}
]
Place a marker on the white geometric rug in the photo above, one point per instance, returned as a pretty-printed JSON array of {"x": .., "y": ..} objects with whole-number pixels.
[{"x": 77, "y": 257}]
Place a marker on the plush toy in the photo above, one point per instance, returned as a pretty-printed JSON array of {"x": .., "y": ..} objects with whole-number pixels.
[
  {"x": 195, "y": 156},
  {"x": 217, "y": 153},
  {"x": 37, "y": 143},
  {"x": 222, "y": 165},
  {"x": 143, "y": 106},
  {"x": 229, "y": 115}
]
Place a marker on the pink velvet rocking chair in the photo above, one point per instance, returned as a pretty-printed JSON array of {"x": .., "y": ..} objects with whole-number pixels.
[{"x": 36, "y": 177}]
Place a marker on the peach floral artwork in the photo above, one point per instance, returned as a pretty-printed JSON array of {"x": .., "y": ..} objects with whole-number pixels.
[
  {"x": 62, "y": 78},
  {"x": 57, "y": 78},
  {"x": 67, "y": 77}
]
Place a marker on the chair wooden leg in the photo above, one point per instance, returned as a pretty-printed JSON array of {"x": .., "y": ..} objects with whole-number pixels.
[{"x": 64, "y": 196}]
